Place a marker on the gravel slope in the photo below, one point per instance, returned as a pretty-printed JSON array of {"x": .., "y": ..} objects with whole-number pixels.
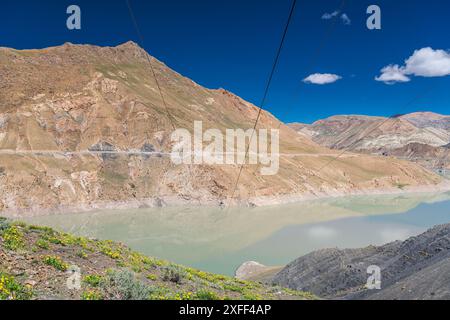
[{"x": 417, "y": 268}]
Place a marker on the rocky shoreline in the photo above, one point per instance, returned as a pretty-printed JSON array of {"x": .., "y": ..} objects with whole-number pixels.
[
  {"x": 174, "y": 201},
  {"x": 417, "y": 268}
]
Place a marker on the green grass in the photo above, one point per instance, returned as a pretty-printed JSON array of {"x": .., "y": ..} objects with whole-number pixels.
[
  {"x": 206, "y": 295},
  {"x": 43, "y": 244},
  {"x": 10, "y": 289},
  {"x": 92, "y": 280},
  {"x": 13, "y": 238},
  {"x": 55, "y": 262},
  {"x": 91, "y": 295}
]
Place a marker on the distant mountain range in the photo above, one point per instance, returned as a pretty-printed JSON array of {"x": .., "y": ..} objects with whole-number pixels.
[
  {"x": 422, "y": 137},
  {"x": 74, "y": 118}
]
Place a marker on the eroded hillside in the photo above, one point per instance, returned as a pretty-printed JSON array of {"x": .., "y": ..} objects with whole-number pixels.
[
  {"x": 422, "y": 137},
  {"x": 84, "y": 126}
]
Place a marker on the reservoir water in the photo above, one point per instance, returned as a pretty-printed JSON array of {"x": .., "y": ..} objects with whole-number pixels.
[{"x": 219, "y": 240}]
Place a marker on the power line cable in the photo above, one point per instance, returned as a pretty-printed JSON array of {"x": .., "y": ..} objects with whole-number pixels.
[
  {"x": 324, "y": 41},
  {"x": 319, "y": 49},
  {"x": 141, "y": 39},
  {"x": 266, "y": 91}
]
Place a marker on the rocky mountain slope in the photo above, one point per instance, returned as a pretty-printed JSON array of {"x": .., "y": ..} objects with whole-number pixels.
[
  {"x": 428, "y": 120},
  {"x": 420, "y": 137},
  {"x": 42, "y": 264},
  {"x": 418, "y": 268},
  {"x": 83, "y": 126}
]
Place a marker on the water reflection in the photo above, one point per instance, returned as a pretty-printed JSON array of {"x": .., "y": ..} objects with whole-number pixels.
[{"x": 219, "y": 240}]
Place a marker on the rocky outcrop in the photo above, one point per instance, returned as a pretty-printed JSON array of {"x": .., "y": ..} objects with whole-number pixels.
[
  {"x": 428, "y": 120},
  {"x": 418, "y": 268},
  {"x": 248, "y": 268},
  {"x": 255, "y": 271}
]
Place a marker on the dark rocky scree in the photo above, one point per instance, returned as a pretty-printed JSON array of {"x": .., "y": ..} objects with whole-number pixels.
[{"x": 418, "y": 268}]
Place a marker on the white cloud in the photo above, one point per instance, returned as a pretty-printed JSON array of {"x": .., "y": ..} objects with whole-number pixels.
[
  {"x": 425, "y": 62},
  {"x": 322, "y": 78},
  {"x": 328, "y": 16},
  {"x": 392, "y": 74},
  {"x": 345, "y": 19}
]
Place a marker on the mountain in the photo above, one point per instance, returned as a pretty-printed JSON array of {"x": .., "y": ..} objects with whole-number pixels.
[
  {"x": 420, "y": 137},
  {"x": 426, "y": 155},
  {"x": 83, "y": 126},
  {"x": 415, "y": 269},
  {"x": 428, "y": 120}
]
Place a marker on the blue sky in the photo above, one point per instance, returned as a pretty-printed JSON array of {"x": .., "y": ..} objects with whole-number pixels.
[{"x": 231, "y": 44}]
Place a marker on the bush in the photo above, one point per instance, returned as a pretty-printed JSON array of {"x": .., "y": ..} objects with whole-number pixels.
[
  {"x": 10, "y": 289},
  {"x": 173, "y": 273},
  {"x": 92, "y": 280},
  {"x": 82, "y": 254},
  {"x": 91, "y": 295},
  {"x": 152, "y": 277},
  {"x": 109, "y": 249},
  {"x": 4, "y": 224},
  {"x": 56, "y": 262},
  {"x": 233, "y": 287},
  {"x": 13, "y": 238},
  {"x": 43, "y": 244},
  {"x": 206, "y": 295},
  {"x": 123, "y": 285}
]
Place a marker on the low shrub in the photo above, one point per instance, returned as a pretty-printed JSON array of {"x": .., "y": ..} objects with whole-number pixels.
[
  {"x": 206, "y": 295},
  {"x": 43, "y": 244},
  {"x": 56, "y": 262},
  {"x": 10, "y": 289},
  {"x": 173, "y": 273},
  {"x": 13, "y": 238},
  {"x": 93, "y": 280},
  {"x": 91, "y": 295},
  {"x": 123, "y": 285}
]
